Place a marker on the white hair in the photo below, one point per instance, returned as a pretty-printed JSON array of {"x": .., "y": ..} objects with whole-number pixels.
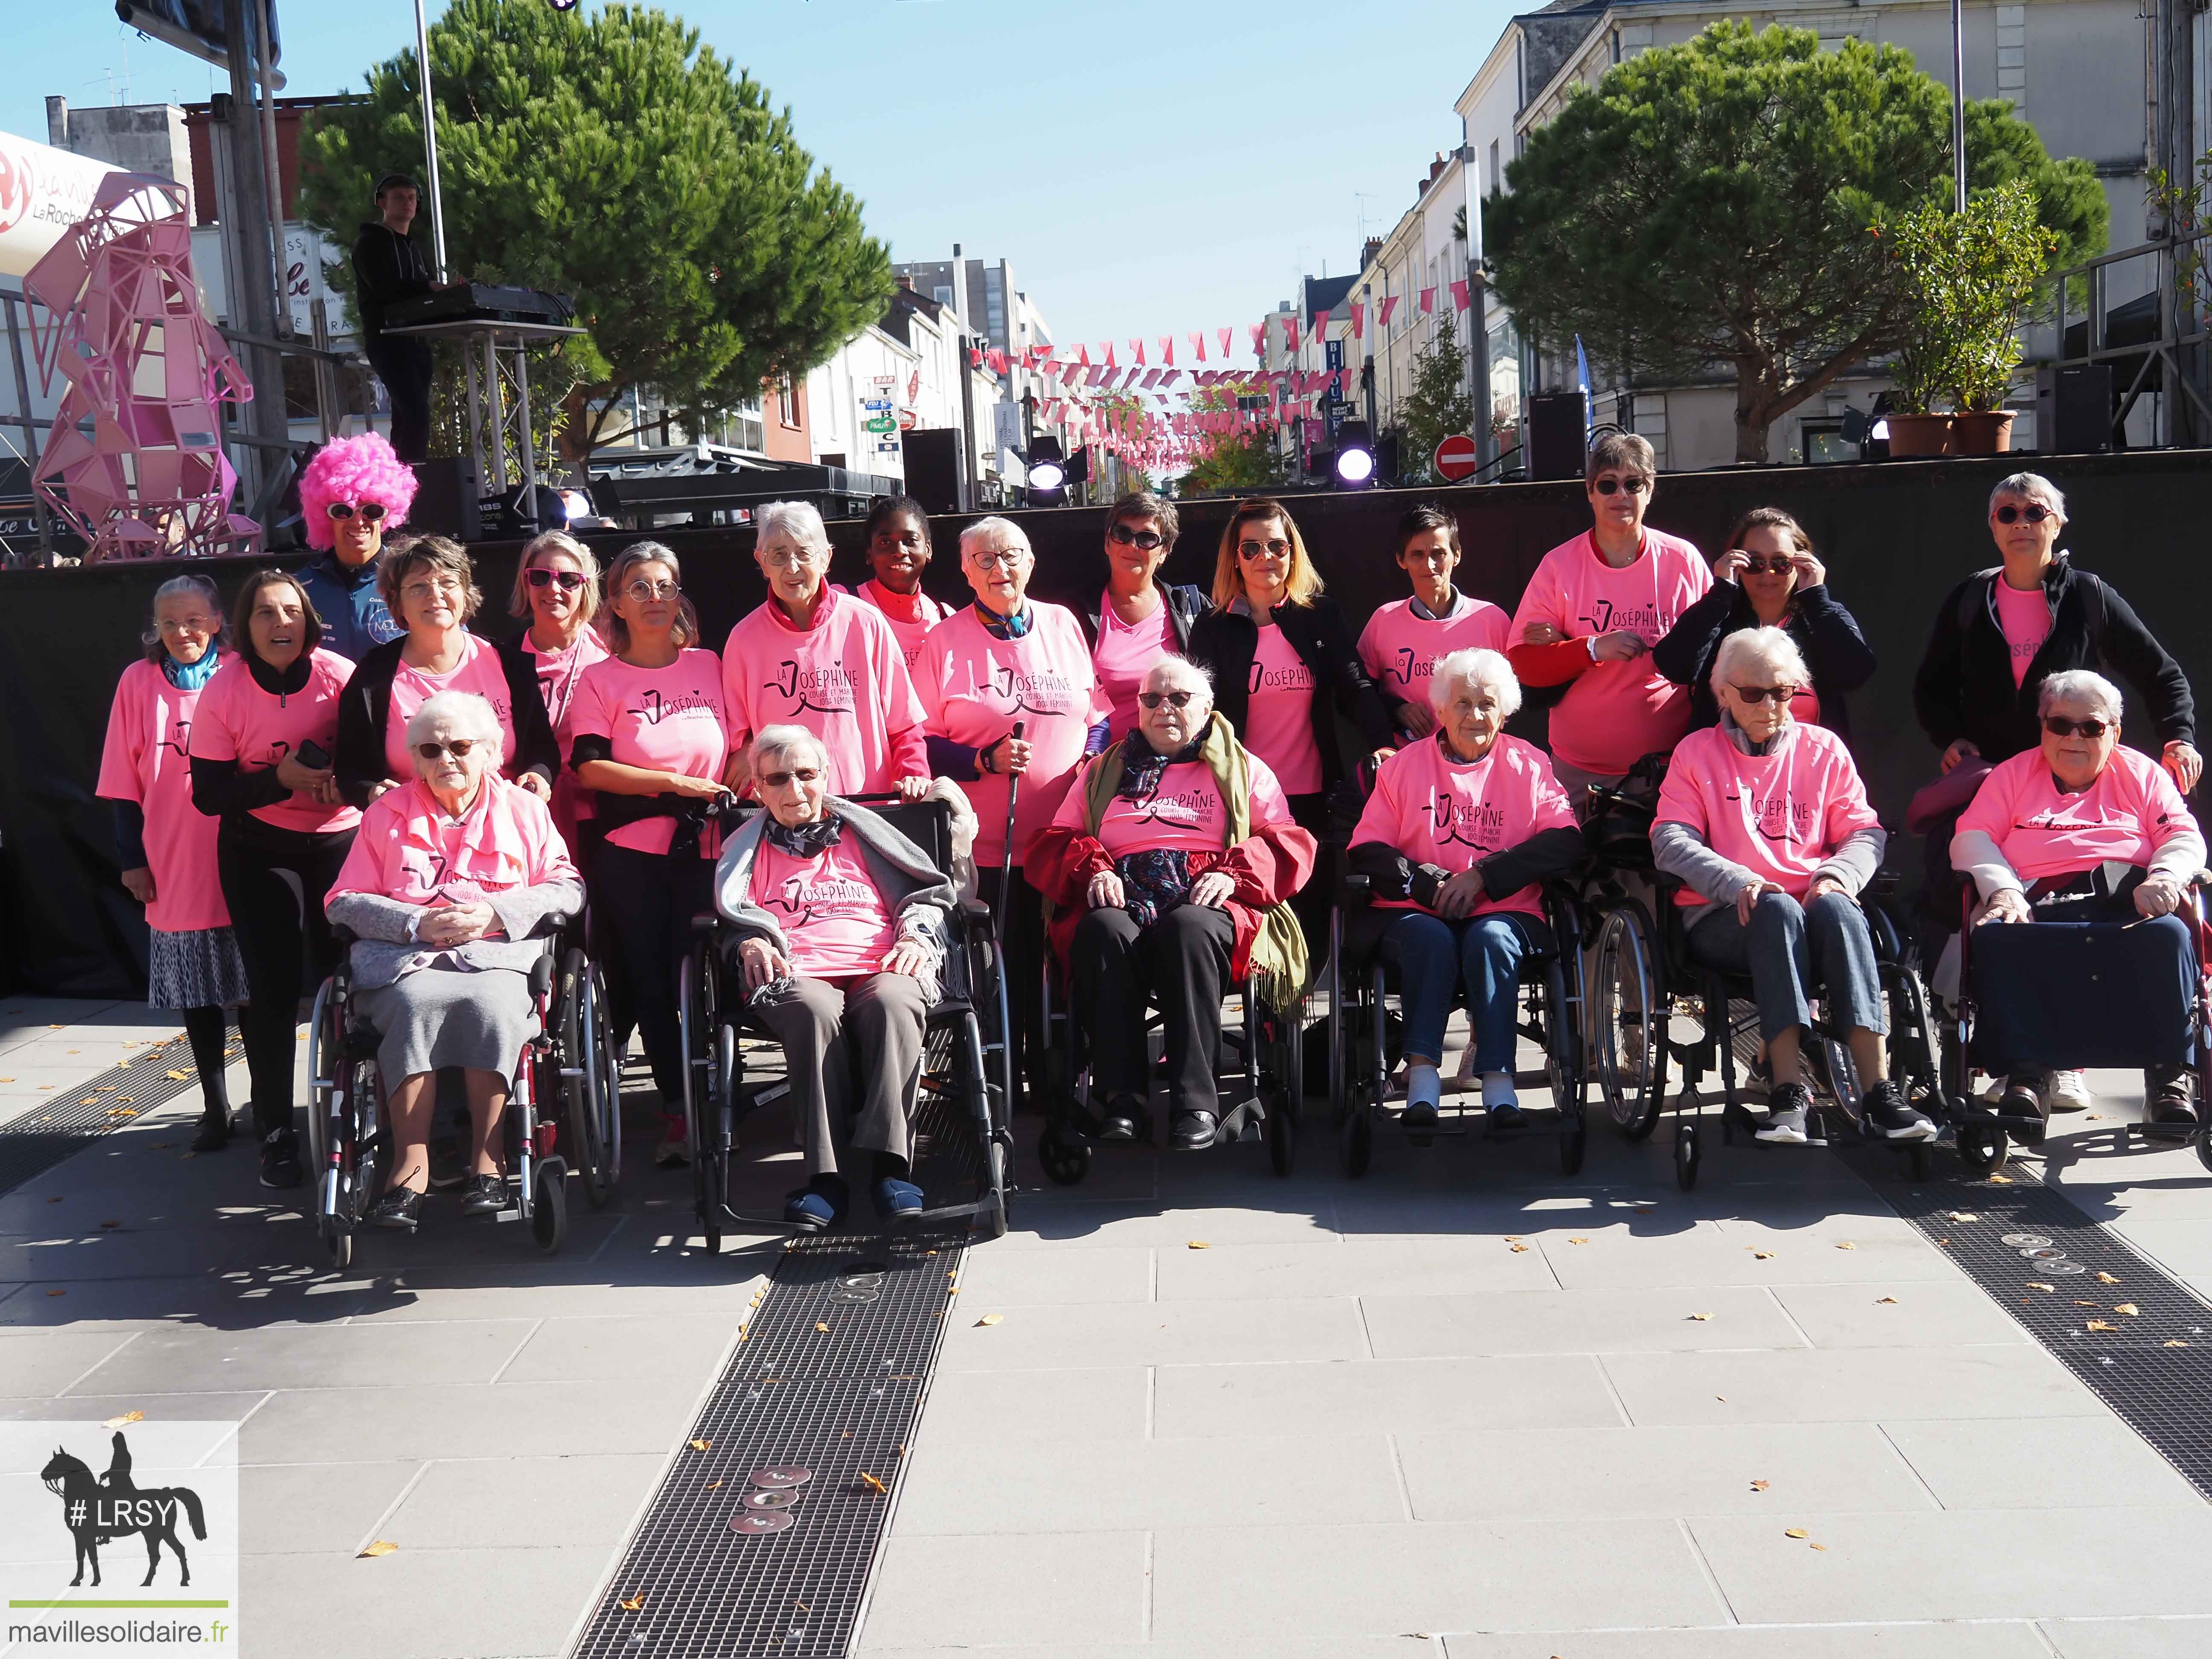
[
  {"x": 462, "y": 715},
  {"x": 2079, "y": 685},
  {"x": 2029, "y": 487},
  {"x": 800, "y": 520},
  {"x": 1754, "y": 649},
  {"x": 1478, "y": 668},
  {"x": 1191, "y": 676},
  {"x": 995, "y": 525},
  {"x": 778, "y": 740}
]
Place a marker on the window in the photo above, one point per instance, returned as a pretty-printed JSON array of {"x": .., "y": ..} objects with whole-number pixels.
[
  {"x": 942, "y": 295},
  {"x": 1497, "y": 177},
  {"x": 786, "y": 400}
]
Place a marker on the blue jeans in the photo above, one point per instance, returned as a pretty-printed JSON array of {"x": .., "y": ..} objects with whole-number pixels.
[
  {"x": 1434, "y": 958},
  {"x": 1789, "y": 949}
]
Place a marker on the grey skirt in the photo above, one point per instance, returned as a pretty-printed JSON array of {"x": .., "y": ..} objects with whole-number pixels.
[
  {"x": 198, "y": 969},
  {"x": 440, "y": 1017}
]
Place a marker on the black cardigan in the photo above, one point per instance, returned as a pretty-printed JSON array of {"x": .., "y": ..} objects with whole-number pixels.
[
  {"x": 1227, "y": 642},
  {"x": 1827, "y": 634},
  {"x": 1185, "y": 604},
  {"x": 365, "y": 706},
  {"x": 1964, "y": 690}
]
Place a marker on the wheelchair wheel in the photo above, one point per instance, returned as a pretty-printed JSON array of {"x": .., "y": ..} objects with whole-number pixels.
[
  {"x": 604, "y": 1059},
  {"x": 1289, "y": 1089},
  {"x": 1982, "y": 1147},
  {"x": 1629, "y": 1054},
  {"x": 695, "y": 1011},
  {"x": 1066, "y": 1159},
  {"x": 549, "y": 1210},
  {"x": 582, "y": 1123},
  {"x": 1685, "y": 1156}
]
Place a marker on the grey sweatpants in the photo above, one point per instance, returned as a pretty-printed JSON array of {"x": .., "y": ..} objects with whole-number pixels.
[{"x": 873, "y": 1026}]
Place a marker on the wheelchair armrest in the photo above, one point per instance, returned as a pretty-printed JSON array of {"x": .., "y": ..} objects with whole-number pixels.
[
  {"x": 550, "y": 924},
  {"x": 1356, "y": 890},
  {"x": 2202, "y": 878},
  {"x": 975, "y": 912},
  {"x": 541, "y": 976},
  {"x": 705, "y": 923}
]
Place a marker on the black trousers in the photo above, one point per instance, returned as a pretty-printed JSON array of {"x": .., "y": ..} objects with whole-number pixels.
[
  {"x": 274, "y": 882},
  {"x": 1021, "y": 925},
  {"x": 650, "y": 899},
  {"x": 406, "y": 367},
  {"x": 1180, "y": 961}
]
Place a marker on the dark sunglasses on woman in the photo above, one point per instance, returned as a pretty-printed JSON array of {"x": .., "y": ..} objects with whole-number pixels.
[
  {"x": 371, "y": 511},
  {"x": 1757, "y": 693},
  {"x": 1173, "y": 699},
  {"x": 1253, "y": 549},
  {"x": 1612, "y": 486},
  {"x": 1143, "y": 540},
  {"x": 1774, "y": 566},
  {"x": 567, "y": 580},
  {"x": 458, "y": 748},
  {"x": 2034, "y": 513},
  {"x": 2059, "y": 727}
]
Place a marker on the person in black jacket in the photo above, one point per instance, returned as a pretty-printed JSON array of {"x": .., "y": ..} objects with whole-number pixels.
[
  {"x": 388, "y": 266},
  {"x": 430, "y": 586},
  {"x": 1137, "y": 618},
  {"x": 1768, "y": 576}
]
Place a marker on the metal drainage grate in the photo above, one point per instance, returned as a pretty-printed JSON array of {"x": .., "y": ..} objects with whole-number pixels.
[
  {"x": 2152, "y": 1365},
  {"x": 828, "y": 1381},
  {"x": 33, "y": 1142}
]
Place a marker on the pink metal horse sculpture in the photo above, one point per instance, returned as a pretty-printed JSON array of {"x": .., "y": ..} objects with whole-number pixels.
[{"x": 122, "y": 324}]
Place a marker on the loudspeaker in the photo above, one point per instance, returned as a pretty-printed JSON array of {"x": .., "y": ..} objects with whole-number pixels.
[
  {"x": 2074, "y": 409},
  {"x": 934, "y": 471},
  {"x": 447, "y": 492},
  {"x": 1559, "y": 434}
]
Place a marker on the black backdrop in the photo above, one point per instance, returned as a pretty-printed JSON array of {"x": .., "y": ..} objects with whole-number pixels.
[{"x": 1895, "y": 537}]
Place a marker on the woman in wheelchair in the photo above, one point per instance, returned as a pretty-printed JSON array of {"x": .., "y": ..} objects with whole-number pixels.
[
  {"x": 1765, "y": 823},
  {"x": 840, "y": 931},
  {"x": 2035, "y": 838},
  {"x": 1461, "y": 832},
  {"x": 447, "y": 880},
  {"x": 1169, "y": 867}
]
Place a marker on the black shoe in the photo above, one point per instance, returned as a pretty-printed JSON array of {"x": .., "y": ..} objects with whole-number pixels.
[
  {"x": 487, "y": 1196},
  {"x": 1193, "y": 1131},
  {"x": 400, "y": 1209},
  {"x": 215, "y": 1130},
  {"x": 1787, "y": 1108},
  {"x": 449, "y": 1165},
  {"x": 1506, "y": 1115},
  {"x": 817, "y": 1206},
  {"x": 1889, "y": 1116},
  {"x": 2023, "y": 1100},
  {"x": 1120, "y": 1123},
  {"x": 1418, "y": 1115},
  {"x": 280, "y": 1159},
  {"x": 2170, "y": 1113}
]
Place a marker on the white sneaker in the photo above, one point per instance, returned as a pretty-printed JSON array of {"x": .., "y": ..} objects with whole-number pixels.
[{"x": 2066, "y": 1091}]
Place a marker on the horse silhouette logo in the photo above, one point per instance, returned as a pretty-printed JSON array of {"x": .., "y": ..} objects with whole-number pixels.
[{"x": 99, "y": 1510}]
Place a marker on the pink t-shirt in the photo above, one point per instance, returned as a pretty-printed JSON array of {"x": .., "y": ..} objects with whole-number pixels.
[
  {"x": 910, "y": 615},
  {"x": 976, "y": 686},
  {"x": 1615, "y": 713},
  {"x": 1279, "y": 720},
  {"x": 844, "y": 679},
  {"x": 479, "y": 671},
  {"x": 145, "y": 760},
  {"x": 1781, "y": 816},
  {"x": 557, "y": 674},
  {"x": 1400, "y": 649},
  {"x": 666, "y": 719},
  {"x": 834, "y": 920},
  {"x": 1184, "y": 810},
  {"x": 1125, "y": 653},
  {"x": 2026, "y": 619},
  {"x": 237, "y": 721},
  {"x": 408, "y": 850},
  {"x": 1438, "y": 809},
  {"x": 2127, "y": 814}
]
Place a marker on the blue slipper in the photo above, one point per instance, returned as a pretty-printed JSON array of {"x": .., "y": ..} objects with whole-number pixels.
[
  {"x": 817, "y": 1207},
  {"x": 896, "y": 1199}
]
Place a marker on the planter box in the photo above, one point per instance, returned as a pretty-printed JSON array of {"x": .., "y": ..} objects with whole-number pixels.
[
  {"x": 1919, "y": 435},
  {"x": 1987, "y": 432}
]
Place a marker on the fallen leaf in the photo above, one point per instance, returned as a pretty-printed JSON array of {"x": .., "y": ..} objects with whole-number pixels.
[
  {"x": 2107, "y": 1279},
  {"x": 2177, "y": 1343},
  {"x": 1758, "y": 1486},
  {"x": 382, "y": 1547},
  {"x": 2079, "y": 1302},
  {"x": 1762, "y": 1255},
  {"x": 174, "y": 1076},
  {"x": 1200, "y": 1244},
  {"x": 90, "y": 1100},
  {"x": 711, "y": 1485},
  {"x": 1793, "y": 1532},
  {"x": 1701, "y": 1315},
  {"x": 869, "y": 1480},
  {"x": 700, "y": 1445},
  {"x": 2102, "y": 1325},
  {"x": 1846, "y": 1245},
  {"x": 1721, "y": 1398},
  {"x": 1881, "y": 1299},
  {"x": 2038, "y": 1284},
  {"x": 819, "y": 1325},
  {"x": 2127, "y": 1307},
  {"x": 1823, "y": 1548},
  {"x": 1512, "y": 1238},
  {"x": 1520, "y": 1249},
  {"x": 632, "y": 1603},
  {"x": 57, "y": 1292},
  {"x": 123, "y": 1111},
  {"x": 1578, "y": 1241},
  {"x": 1964, "y": 1215},
  {"x": 127, "y": 1417},
  {"x": 2001, "y": 1180},
  {"x": 990, "y": 1319}
]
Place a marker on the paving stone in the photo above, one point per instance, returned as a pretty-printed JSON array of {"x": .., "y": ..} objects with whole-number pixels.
[
  {"x": 2130, "y": 1638},
  {"x": 2013, "y": 1640},
  {"x": 1916, "y": 1315},
  {"x": 1354, "y": 1267},
  {"x": 1391, "y": 1395},
  {"x": 1846, "y": 1385},
  {"x": 183, "y": 1359},
  {"x": 550, "y": 1500},
  {"x": 1151, "y": 1334},
  {"x": 47, "y": 1362},
  {"x": 1010, "y": 1278},
  {"x": 986, "y": 1410},
  {"x": 2056, "y": 1463},
  {"x": 1576, "y": 1322},
  {"x": 960, "y": 1592},
  {"x": 619, "y": 1350},
  {"x": 430, "y": 1421},
  {"x": 418, "y": 1604},
  {"x": 1618, "y": 1257},
  {"x": 316, "y": 1508}
]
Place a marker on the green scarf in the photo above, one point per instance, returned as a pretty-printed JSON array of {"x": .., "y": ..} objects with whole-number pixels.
[{"x": 1279, "y": 950}]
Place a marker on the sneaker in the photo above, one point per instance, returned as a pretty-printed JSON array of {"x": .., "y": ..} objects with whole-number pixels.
[
  {"x": 2170, "y": 1111},
  {"x": 674, "y": 1152},
  {"x": 214, "y": 1131},
  {"x": 1784, "y": 1124},
  {"x": 897, "y": 1200},
  {"x": 400, "y": 1209},
  {"x": 817, "y": 1206},
  {"x": 1890, "y": 1116},
  {"x": 2066, "y": 1091},
  {"x": 486, "y": 1195},
  {"x": 280, "y": 1159}
]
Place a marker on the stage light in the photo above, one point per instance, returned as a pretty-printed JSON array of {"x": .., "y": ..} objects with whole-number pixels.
[
  {"x": 1046, "y": 479},
  {"x": 1355, "y": 456},
  {"x": 1047, "y": 475}
]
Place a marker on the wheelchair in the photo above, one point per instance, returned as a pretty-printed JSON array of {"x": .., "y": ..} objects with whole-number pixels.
[
  {"x": 1642, "y": 973},
  {"x": 562, "y": 1107},
  {"x": 2094, "y": 961},
  {"x": 964, "y": 1097},
  {"x": 1361, "y": 1045},
  {"x": 1259, "y": 1069}
]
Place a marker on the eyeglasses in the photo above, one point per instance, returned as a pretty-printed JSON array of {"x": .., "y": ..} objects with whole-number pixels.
[
  {"x": 1173, "y": 699},
  {"x": 797, "y": 559},
  {"x": 645, "y": 592},
  {"x": 1011, "y": 559},
  {"x": 2034, "y": 513},
  {"x": 428, "y": 585},
  {"x": 1143, "y": 540},
  {"x": 188, "y": 625},
  {"x": 1627, "y": 486},
  {"x": 371, "y": 511},
  {"x": 2059, "y": 727},
  {"x": 1274, "y": 549},
  {"x": 1758, "y": 694},
  {"x": 458, "y": 748},
  {"x": 567, "y": 580},
  {"x": 801, "y": 775}
]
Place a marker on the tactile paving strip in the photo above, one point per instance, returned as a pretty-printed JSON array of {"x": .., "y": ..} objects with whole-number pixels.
[
  {"x": 35, "y": 1141},
  {"x": 2141, "y": 1341},
  {"x": 829, "y": 1378}
]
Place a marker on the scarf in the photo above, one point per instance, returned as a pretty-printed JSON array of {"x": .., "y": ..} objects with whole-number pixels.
[
  {"x": 1144, "y": 766},
  {"x": 1006, "y": 628},
  {"x": 190, "y": 676},
  {"x": 1153, "y": 882},
  {"x": 804, "y": 841}
]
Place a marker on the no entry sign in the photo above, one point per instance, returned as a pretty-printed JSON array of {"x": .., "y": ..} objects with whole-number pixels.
[{"x": 1456, "y": 458}]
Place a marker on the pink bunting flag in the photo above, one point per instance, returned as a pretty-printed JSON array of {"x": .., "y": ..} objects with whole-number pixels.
[
  {"x": 1389, "y": 304},
  {"x": 1083, "y": 356},
  {"x": 1198, "y": 346},
  {"x": 1222, "y": 336},
  {"x": 1291, "y": 331},
  {"x": 1459, "y": 301},
  {"x": 1359, "y": 320},
  {"x": 1428, "y": 300},
  {"x": 1137, "y": 348},
  {"x": 1259, "y": 339},
  {"x": 1321, "y": 325},
  {"x": 1109, "y": 355}
]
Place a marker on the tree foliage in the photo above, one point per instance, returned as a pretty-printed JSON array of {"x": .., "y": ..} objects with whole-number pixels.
[
  {"x": 610, "y": 156},
  {"x": 1232, "y": 460},
  {"x": 1706, "y": 208},
  {"x": 1439, "y": 405},
  {"x": 1973, "y": 275}
]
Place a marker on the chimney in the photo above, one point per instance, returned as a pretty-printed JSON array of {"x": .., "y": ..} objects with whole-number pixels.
[
  {"x": 58, "y": 122},
  {"x": 1436, "y": 167},
  {"x": 1367, "y": 254}
]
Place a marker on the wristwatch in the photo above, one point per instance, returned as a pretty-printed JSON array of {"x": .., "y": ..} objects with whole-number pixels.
[{"x": 1590, "y": 644}]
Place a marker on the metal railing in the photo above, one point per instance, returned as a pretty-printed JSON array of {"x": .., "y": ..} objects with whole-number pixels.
[{"x": 2174, "y": 343}]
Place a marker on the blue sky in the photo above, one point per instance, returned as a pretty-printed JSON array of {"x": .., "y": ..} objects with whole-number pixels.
[{"x": 1147, "y": 165}]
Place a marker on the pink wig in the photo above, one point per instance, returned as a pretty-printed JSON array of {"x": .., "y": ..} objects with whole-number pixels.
[{"x": 354, "y": 469}]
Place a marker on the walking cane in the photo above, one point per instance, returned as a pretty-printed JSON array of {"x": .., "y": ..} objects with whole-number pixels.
[{"x": 999, "y": 939}]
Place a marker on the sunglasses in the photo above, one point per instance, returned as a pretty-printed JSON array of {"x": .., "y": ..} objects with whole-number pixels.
[
  {"x": 1616, "y": 486},
  {"x": 803, "y": 774},
  {"x": 1143, "y": 540},
  {"x": 1274, "y": 549},
  {"x": 2034, "y": 513},
  {"x": 1758, "y": 694},
  {"x": 458, "y": 748},
  {"x": 371, "y": 511},
  {"x": 1777, "y": 566},
  {"x": 1173, "y": 699},
  {"x": 2065, "y": 728},
  {"x": 567, "y": 580}
]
